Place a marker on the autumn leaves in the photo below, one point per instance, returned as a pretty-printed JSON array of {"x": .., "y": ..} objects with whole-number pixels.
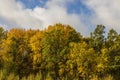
[{"x": 61, "y": 52}]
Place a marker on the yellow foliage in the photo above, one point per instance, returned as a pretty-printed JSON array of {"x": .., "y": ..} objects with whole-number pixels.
[
  {"x": 80, "y": 69},
  {"x": 61, "y": 71},
  {"x": 35, "y": 42}
]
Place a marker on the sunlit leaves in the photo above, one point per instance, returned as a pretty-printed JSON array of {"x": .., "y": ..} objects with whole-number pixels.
[
  {"x": 83, "y": 58},
  {"x": 60, "y": 52}
]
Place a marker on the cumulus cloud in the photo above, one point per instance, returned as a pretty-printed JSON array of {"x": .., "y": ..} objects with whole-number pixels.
[
  {"x": 105, "y": 12},
  {"x": 13, "y": 14},
  {"x": 56, "y": 12}
]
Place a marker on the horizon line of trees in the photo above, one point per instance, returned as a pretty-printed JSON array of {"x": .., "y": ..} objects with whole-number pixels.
[{"x": 60, "y": 52}]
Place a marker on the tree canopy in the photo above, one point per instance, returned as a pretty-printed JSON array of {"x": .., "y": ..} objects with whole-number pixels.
[{"x": 60, "y": 52}]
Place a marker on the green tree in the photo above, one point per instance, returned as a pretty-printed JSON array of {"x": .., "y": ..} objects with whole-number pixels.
[
  {"x": 114, "y": 53},
  {"x": 97, "y": 37},
  {"x": 56, "y": 43},
  {"x": 111, "y": 38}
]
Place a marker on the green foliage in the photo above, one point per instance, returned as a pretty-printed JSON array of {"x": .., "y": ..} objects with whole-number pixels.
[
  {"x": 59, "y": 53},
  {"x": 56, "y": 43},
  {"x": 97, "y": 37}
]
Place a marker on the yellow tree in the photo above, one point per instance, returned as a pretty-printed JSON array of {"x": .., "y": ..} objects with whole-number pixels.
[
  {"x": 82, "y": 61},
  {"x": 36, "y": 47},
  {"x": 2, "y": 37},
  {"x": 14, "y": 52}
]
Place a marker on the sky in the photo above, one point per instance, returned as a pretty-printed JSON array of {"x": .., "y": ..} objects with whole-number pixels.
[{"x": 82, "y": 15}]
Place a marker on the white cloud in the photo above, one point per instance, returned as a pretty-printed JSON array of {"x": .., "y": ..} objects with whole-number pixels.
[
  {"x": 105, "y": 12},
  {"x": 15, "y": 15},
  {"x": 55, "y": 11}
]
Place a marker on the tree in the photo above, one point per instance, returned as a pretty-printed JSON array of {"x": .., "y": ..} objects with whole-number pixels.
[
  {"x": 56, "y": 43},
  {"x": 2, "y": 36},
  {"x": 37, "y": 47},
  {"x": 14, "y": 53},
  {"x": 111, "y": 38},
  {"x": 82, "y": 61},
  {"x": 114, "y": 57},
  {"x": 98, "y": 37}
]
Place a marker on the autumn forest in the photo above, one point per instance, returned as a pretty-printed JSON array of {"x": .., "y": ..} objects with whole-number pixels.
[{"x": 59, "y": 52}]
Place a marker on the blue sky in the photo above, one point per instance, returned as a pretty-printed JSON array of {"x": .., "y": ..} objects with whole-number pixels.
[
  {"x": 72, "y": 7},
  {"x": 83, "y": 15},
  {"x": 31, "y": 4}
]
